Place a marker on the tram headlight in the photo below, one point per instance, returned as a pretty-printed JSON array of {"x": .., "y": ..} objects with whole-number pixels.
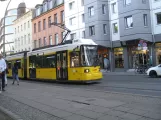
[{"x": 86, "y": 70}]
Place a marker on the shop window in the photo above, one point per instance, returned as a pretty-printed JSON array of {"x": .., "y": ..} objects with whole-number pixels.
[
  {"x": 119, "y": 59},
  {"x": 75, "y": 59}
]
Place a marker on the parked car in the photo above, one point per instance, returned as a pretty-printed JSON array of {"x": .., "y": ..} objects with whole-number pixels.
[{"x": 154, "y": 71}]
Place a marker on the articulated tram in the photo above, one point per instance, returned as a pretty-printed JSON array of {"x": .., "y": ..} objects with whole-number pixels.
[{"x": 75, "y": 61}]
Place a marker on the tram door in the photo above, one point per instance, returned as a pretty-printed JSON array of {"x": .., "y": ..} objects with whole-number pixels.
[{"x": 61, "y": 68}]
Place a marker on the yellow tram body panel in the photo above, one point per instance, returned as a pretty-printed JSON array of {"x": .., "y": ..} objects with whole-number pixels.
[
  {"x": 10, "y": 73},
  {"x": 46, "y": 73}
]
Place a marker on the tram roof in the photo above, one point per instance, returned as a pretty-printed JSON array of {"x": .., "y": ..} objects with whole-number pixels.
[{"x": 68, "y": 45}]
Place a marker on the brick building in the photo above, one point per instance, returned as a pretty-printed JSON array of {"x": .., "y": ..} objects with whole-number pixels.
[{"x": 43, "y": 33}]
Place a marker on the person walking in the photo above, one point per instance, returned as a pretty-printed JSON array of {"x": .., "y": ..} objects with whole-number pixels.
[
  {"x": 2, "y": 71},
  {"x": 106, "y": 63},
  {"x": 15, "y": 74},
  {"x": 6, "y": 72}
]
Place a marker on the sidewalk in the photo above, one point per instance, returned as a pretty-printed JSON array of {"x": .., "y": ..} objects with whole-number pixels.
[
  {"x": 47, "y": 101},
  {"x": 126, "y": 73}
]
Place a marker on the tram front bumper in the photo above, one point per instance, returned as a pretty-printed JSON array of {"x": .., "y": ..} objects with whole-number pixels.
[{"x": 92, "y": 76}]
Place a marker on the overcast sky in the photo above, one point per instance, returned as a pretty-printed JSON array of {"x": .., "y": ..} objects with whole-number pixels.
[{"x": 14, "y": 4}]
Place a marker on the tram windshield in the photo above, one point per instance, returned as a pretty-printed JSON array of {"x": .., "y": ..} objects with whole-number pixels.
[{"x": 89, "y": 55}]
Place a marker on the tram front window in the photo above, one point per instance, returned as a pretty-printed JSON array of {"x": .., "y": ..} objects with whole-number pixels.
[{"x": 89, "y": 56}]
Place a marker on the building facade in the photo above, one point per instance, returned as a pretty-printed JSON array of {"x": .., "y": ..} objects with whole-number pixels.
[
  {"x": 97, "y": 21},
  {"x": 8, "y": 33},
  {"x": 75, "y": 18},
  {"x": 23, "y": 32},
  {"x": 135, "y": 44},
  {"x": 43, "y": 33},
  {"x": 156, "y": 29}
]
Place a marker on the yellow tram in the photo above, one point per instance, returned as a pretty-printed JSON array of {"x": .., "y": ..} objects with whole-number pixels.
[{"x": 75, "y": 61}]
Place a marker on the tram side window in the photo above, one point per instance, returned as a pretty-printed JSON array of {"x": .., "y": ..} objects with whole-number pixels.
[
  {"x": 32, "y": 61},
  {"x": 74, "y": 59},
  {"x": 39, "y": 61},
  {"x": 9, "y": 65},
  {"x": 49, "y": 61},
  {"x": 18, "y": 62}
]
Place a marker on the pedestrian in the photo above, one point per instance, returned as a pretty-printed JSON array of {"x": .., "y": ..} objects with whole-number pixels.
[
  {"x": 106, "y": 63},
  {"x": 6, "y": 72},
  {"x": 2, "y": 71},
  {"x": 15, "y": 74}
]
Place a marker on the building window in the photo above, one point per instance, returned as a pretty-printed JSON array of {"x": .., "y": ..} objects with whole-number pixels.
[
  {"x": 91, "y": 11},
  {"x": 104, "y": 28},
  {"x": 49, "y": 21},
  {"x": 50, "y": 40},
  {"x": 56, "y": 39},
  {"x": 55, "y": 18},
  {"x": 144, "y": 1},
  {"x": 83, "y": 34},
  {"x": 28, "y": 38},
  {"x": 50, "y": 4},
  {"x": 34, "y": 43},
  {"x": 145, "y": 20},
  {"x": 24, "y": 26},
  {"x": 103, "y": 9},
  {"x": 71, "y": 5},
  {"x": 21, "y": 28},
  {"x": 115, "y": 28},
  {"x": 35, "y": 28},
  {"x": 44, "y": 24},
  {"x": 73, "y": 36},
  {"x": 28, "y": 24},
  {"x": 45, "y": 7},
  {"x": 158, "y": 15},
  {"x": 113, "y": 7},
  {"x": 62, "y": 35},
  {"x": 62, "y": 16},
  {"x": 40, "y": 42},
  {"x": 82, "y": 2},
  {"x": 18, "y": 29},
  {"x": 91, "y": 30},
  {"x": 83, "y": 18},
  {"x": 21, "y": 41},
  {"x": 15, "y": 30},
  {"x": 72, "y": 21},
  {"x": 128, "y": 22},
  {"x": 25, "y": 39},
  {"x": 39, "y": 26},
  {"x": 127, "y": 2},
  {"x": 45, "y": 41}
]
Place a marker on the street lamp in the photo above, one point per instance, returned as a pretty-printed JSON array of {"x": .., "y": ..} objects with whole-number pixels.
[{"x": 4, "y": 25}]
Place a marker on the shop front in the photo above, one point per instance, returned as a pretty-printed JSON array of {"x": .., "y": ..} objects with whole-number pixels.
[
  {"x": 103, "y": 52},
  {"x": 158, "y": 53},
  {"x": 138, "y": 54},
  {"x": 119, "y": 57}
]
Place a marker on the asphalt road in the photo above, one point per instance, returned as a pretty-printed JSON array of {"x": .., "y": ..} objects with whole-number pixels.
[
  {"x": 131, "y": 84},
  {"x": 141, "y": 85}
]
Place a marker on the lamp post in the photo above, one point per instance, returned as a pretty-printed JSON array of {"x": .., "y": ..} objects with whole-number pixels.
[{"x": 4, "y": 26}]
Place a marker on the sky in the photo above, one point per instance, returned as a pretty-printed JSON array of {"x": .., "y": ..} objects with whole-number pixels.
[{"x": 15, "y": 3}]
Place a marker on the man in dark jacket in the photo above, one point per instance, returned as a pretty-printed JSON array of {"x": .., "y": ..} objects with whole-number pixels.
[{"x": 15, "y": 74}]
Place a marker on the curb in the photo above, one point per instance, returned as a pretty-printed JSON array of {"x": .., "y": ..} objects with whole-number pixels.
[
  {"x": 9, "y": 114},
  {"x": 125, "y": 74}
]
